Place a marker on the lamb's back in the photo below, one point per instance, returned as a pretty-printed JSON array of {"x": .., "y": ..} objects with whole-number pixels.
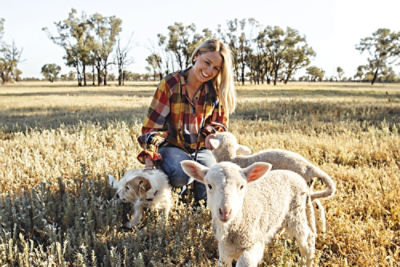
[{"x": 279, "y": 158}]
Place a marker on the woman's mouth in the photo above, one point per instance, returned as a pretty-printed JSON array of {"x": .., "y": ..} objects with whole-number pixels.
[{"x": 204, "y": 75}]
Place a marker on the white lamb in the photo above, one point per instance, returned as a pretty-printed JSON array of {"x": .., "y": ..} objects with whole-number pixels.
[
  {"x": 226, "y": 148},
  {"x": 249, "y": 206}
]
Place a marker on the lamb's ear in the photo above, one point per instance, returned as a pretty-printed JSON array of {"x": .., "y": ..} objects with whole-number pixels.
[
  {"x": 243, "y": 150},
  {"x": 215, "y": 143},
  {"x": 194, "y": 169},
  {"x": 256, "y": 170}
]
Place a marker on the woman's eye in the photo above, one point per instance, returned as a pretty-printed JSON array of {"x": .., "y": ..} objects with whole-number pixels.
[{"x": 209, "y": 186}]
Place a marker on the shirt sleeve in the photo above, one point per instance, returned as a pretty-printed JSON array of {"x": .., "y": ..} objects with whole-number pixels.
[
  {"x": 217, "y": 122},
  {"x": 154, "y": 130}
]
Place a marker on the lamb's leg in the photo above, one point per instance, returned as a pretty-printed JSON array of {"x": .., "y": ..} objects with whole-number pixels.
[
  {"x": 306, "y": 242},
  {"x": 305, "y": 237},
  {"x": 251, "y": 257},
  {"x": 225, "y": 260},
  {"x": 319, "y": 212}
]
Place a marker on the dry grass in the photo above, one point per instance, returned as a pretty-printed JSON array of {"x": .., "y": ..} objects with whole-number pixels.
[{"x": 57, "y": 143}]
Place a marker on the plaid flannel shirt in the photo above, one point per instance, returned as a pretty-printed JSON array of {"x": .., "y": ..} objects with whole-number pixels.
[{"x": 175, "y": 119}]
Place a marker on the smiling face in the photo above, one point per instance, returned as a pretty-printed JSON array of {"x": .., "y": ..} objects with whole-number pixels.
[{"x": 206, "y": 66}]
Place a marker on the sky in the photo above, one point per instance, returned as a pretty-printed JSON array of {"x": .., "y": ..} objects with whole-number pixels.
[{"x": 332, "y": 27}]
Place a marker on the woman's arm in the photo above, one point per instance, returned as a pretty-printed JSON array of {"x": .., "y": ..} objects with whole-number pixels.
[{"x": 154, "y": 130}]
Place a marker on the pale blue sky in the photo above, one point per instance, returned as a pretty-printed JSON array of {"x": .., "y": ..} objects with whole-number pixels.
[{"x": 332, "y": 27}]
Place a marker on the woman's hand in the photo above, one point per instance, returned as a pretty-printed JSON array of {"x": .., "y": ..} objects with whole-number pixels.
[
  {"x": 149, "y": 164},
  {"x": 207, "y": 141}
]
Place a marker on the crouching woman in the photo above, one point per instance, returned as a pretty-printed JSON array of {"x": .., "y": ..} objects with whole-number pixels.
[{"x": 187, "y": 108}]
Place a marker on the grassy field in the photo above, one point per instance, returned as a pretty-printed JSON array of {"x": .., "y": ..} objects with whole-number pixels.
[{"x": 58, "y": 142}]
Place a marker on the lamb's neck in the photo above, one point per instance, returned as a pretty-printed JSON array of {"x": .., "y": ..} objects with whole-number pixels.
[
  {"x": 223, "y": 229},
  {"x": 243, "y": 160}
]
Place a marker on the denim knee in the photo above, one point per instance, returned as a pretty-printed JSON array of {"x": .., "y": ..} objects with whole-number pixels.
[{"x": 171, "y": 165}]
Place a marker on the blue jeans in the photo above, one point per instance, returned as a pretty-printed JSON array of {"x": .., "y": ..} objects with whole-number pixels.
[{"x": 172, "y": 156}]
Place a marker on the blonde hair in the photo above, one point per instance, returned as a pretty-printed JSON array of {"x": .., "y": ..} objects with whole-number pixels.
[{"x": 223, "y": 83}]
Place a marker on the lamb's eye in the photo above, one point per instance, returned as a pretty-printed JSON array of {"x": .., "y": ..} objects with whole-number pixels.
[
  {"x": 127, "y": 187},
  {"x": 209, "y": 186},
  {"x": 241, "y": 187}
]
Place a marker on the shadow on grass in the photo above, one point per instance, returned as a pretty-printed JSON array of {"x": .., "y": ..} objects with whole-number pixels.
[
  {"x": 298, "y": 111},
  {"x": 75, "y": 85},
  {"x": 298, "y": 94},
  {"x": 53, "y": 118},
  {"x": 283, "y": 111},
  {"x": 83, "y": 93}
]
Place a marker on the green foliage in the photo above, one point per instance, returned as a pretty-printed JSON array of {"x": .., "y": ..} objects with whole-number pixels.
[
  {"x": 381, "y": 46},
  {"x": 316, "y": 74},
  {"x": 50, "y": 72},
  {"x": 10, "y": 56},
  {"x": 155, "y": 62},
  {"x": 340, "y": 73},
  {"x": 1, "y": 28},
  {"x": 87, "y": 41}
]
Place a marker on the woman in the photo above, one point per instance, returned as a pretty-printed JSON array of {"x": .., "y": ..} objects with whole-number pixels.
[{"x": 187, "y": 108}]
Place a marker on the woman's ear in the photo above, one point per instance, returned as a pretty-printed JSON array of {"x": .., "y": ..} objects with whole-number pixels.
[{"x": 195, "y": 57}]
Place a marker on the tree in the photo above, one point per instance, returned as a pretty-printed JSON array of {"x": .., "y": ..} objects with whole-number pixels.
[
  {"x": 167, "y": 58},
  {"x": 296, "y": 58},
  {"x": 315, "y": 73},
  {"x": 238, "y": 39},
  {"x": 285, "y": 50},
  {"x": 50, "y": 72},
  {"x": 154, "y": 62},
  {"x": 106, "y": 30},
  {"x": 182, "y": 41},
  {"x": 1, "y": 28},
  {"x": 340, "y": 73},
  {"x": 360, "y": 73},
  {"x": 10, "y": 56},
  {"x": 73, "y": 34},
  {"x": 123, "y": 60},
  {"x": 381, "y": 47}
]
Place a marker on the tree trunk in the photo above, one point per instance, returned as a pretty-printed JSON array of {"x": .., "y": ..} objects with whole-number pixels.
[
  {"x": 98, "y": 75},
  {"x": 78, "y": 74},
  {"x": 84, "y": 73},
  {"x": 242, "y": 74},
  {"x": 93, "y": 76},
  {"x": 105, "y": 76},
  {"x": 119, "y": 78},
  {"x": 375, "y": 76},
  {"x": 275, "y": 76}
]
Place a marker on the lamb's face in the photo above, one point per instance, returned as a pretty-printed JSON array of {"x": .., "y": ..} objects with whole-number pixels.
[
  {"x": 224, "y": 146},
  {"x": 226, "y": 188}
]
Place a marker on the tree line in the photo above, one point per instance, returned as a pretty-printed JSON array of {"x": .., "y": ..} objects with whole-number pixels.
[
  {"x": 270, "y": 54},
  {"x": 10, "y": 56}
]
